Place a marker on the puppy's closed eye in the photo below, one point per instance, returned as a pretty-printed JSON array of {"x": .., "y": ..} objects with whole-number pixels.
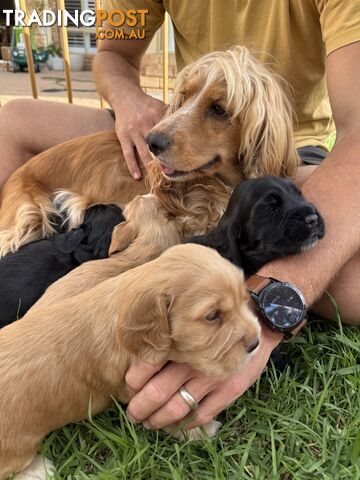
[{"x": 273, "y": 200}]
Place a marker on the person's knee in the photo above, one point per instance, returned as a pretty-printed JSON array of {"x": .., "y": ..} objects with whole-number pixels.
[
  {"x": 17, "y": 108},
  {"x": 12, "y": 117},
  {"x": 15, "y": 131}
]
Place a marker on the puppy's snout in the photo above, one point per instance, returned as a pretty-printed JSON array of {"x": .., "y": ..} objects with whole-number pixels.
[
  {"x": 158, "y": 142},
  {"x": 312, "y": 220},
  {"x": 253, "y": 345}
]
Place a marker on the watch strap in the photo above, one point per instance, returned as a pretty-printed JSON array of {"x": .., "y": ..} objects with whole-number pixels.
[
  {"x": 295, "y": 331},
  {"x": 256, "y": 284}
]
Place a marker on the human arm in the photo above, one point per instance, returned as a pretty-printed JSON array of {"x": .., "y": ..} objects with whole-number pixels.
[
  {"x": 117, "y": 76},
  {"x": 334, "y": 188}
]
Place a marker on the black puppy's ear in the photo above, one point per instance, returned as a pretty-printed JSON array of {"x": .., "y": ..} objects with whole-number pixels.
[
  {"x": 213, "y": 239},
  {"x": 69, "y": 241},
  {"x": 102, "y": 246},
  {"x": 222, "y": 240}
]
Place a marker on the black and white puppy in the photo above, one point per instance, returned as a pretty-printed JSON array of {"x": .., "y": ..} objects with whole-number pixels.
[
  {"x": 26, "y": 274},
  {"x": 266, "y": 218}
]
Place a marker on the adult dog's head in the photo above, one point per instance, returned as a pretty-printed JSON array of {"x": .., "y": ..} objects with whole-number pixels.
[
  {"x": 229, "y": 117},
  {"x": 190, "y": 306},
  {"x": 266, "y": 218}
]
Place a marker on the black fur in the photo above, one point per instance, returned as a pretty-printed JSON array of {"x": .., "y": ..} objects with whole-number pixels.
[
  {"x": 26, "y": 274},
  {"x": 266, "y": 218}
]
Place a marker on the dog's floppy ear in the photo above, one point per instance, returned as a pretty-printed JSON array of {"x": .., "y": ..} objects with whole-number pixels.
[
  {"x": 144, "y": 329},
  {"x": 224, "y": 239},
  {"x": 69, "y": 241},
  {"x": 267, "y": 140},
  {"x": 102, "y": 246},
  {"x": 122, "y": 235}
]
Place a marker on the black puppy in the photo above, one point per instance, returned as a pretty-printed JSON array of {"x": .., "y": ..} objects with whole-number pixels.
[
  {"x": 266, "y": 218},
  {"x": 26, "y": 274}
]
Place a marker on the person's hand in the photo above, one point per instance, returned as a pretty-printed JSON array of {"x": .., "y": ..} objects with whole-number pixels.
[
  {"x": 136, "y": 113},
  {"x": 158, "y": 404}
]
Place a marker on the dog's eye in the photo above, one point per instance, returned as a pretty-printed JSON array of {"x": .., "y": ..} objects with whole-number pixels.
[
  {"x": 213, "y": 316},
  {"x": 217, "y": 110},
  {"x": 274, "y": 201}
]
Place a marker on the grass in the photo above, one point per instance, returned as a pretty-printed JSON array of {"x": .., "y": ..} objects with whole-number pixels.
[
  {"x": 291, "y": 425},
  {"x": 301, "y": 423}
]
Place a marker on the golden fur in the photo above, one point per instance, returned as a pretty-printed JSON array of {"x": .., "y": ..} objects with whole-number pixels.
[
  {"x": 147, "y": 233},
  {"x": 60, "y": 359},
  {"x": 254, "y": 137},
  {"x": 91, "y": 167}
]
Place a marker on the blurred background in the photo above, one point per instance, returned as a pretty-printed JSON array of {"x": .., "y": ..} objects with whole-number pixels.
[{"x": 47, "y": 45}]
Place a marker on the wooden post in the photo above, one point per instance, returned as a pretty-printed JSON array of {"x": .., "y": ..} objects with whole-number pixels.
[
  {"x": 28, "y": 47},
  {"x": 98, "y": 6},
  {"x": 166, "y": 59},
  {"x": 66, "y": 53}
]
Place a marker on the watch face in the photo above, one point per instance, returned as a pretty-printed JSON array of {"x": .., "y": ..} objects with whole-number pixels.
[{"x": 283, "y": 305}]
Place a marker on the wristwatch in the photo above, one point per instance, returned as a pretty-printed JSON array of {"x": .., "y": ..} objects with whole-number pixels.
[{"x": 280, "y": 305}]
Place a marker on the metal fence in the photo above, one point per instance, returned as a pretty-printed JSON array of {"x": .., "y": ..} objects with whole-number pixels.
[{"x": 66, "y": 54}]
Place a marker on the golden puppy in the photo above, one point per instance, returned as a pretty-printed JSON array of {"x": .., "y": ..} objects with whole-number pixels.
[
  {"x": 229, "y": 120},
  {"x": 147, "y": 232},
  {"x": 59, "y": 360}
]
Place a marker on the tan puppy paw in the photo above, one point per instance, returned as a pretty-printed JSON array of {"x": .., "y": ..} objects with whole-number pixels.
[
  {"x": 195, "y": 434},
  {"x": 39, "y": 469}
]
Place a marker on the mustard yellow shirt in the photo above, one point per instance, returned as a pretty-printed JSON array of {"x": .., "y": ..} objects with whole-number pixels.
[{"x": 292, "y": 36}]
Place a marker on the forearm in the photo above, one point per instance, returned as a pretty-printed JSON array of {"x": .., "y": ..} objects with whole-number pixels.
[
  {"x": 114, "y": 75},
  {"x": 334, "y": 189},
  {"x": 117, "y": 76}
]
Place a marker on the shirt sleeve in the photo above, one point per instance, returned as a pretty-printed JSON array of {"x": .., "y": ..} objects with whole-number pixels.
[
  {"x": 153, "y": 19},
  {"x": 340, "y": 22}
]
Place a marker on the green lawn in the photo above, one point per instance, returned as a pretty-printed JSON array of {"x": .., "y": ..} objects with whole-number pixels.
[
  {"x": 295, "y": 425},
  {"x": 300, "y": 424}
]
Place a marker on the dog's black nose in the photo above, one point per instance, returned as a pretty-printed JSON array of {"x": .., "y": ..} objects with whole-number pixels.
[
  {"x": 253, "y": 345},
  {"x": 158, "y": 142},
  {"x": 312, "y": 220}
]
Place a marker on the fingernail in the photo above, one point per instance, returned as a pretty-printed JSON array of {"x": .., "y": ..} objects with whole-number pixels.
[
  {"x": 131, "y": 418},
  {"x": 136, "y": 175},
  {"x": 147, "y": 425}
]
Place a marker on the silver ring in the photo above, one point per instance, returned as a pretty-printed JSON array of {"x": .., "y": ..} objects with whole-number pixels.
[{"x": 189, "y": 399}]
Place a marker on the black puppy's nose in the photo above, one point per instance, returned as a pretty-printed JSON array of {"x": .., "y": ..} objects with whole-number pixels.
[
  {"x": 312, "y": 220},
  {"x": 158, "y": 142},
  {"x": 253, "y": 345}
]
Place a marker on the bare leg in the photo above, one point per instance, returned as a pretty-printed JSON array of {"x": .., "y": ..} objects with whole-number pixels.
[
  {"x": 28, "y": 127},
  {"x": 345, "y": 287}
]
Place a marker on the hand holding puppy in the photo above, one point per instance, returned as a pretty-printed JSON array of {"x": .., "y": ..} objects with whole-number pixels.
[
  {"x": 158, "y": 404},
  {"x": 149, "y": 313}
]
